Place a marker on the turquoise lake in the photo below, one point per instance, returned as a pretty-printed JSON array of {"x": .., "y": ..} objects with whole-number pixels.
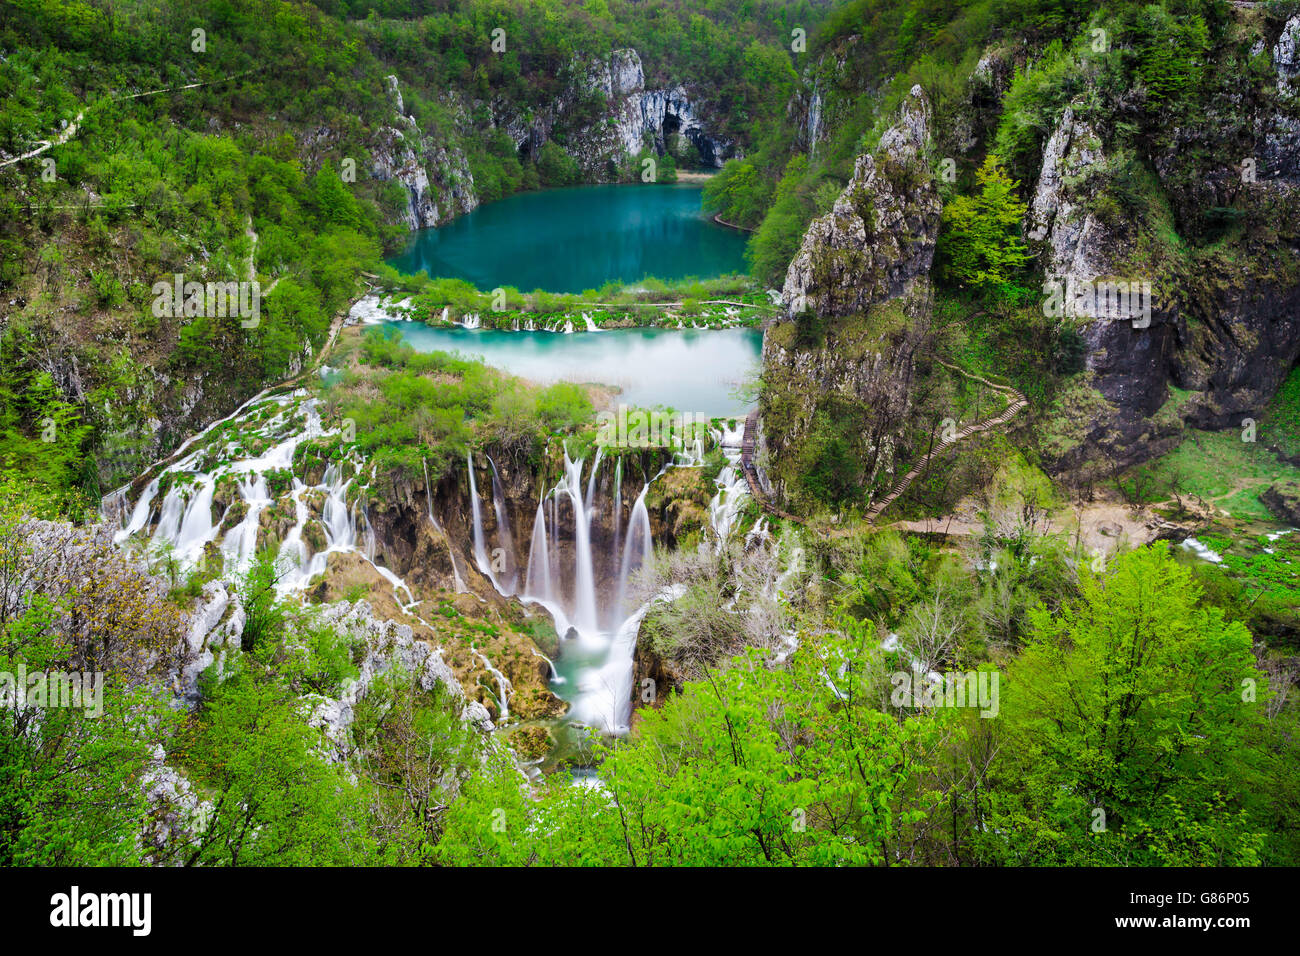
[{"x": 577, "y": 238}]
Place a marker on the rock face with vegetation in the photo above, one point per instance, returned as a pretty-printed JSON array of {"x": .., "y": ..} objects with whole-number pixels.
[
  {"x": 878, "y": 239},
  {"x": 1202, "y": 212},
  {"x": 1153, "y": 264},
  {"x": 627, "y": 121},
  {"x": 1283, "y": 499},
  {"x": 838, "y": 371},
  {"x": 436, "y": 176}
]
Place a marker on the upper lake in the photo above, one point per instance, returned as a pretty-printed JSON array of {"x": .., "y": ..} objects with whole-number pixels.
[{"x": 578, "y": 238}]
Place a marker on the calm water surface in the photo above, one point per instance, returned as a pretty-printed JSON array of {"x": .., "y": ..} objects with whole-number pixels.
[
  {"x": 688, "y": 370},
  {"x": 577, "y": 238}
]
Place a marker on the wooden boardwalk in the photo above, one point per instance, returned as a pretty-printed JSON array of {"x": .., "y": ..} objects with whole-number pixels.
[{"x": 1016, "y": 403}]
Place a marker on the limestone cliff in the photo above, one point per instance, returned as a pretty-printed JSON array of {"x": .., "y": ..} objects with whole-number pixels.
[
  {"x": 607, "y": 115},
  {"x": 435, "y": 174},
  {"x": 878, "y": 240},
  {"x": 1221, "y": 325},
  {"x": 839, "y": 368}
]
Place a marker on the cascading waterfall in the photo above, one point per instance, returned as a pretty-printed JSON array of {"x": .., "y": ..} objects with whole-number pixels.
[
  {"x": 340, "y": 531},
  {"x": 584, "y": 578},
  {"x": 618, "y": 506},
  {"x": 240, "y": 542},
  {"x": 591, "y": 480},
  {"x": 733, "y": 489},
  {"x": 511, "y": 580},
  {"x": 185, "y": 525},
  {"x": 638, "y": 549},
  {"x": 169, "y": 521},
  {"x": 564, "y": 563},
  {"x": 140, "y": 514},
  {"x": 537, "y": 581},
  {"x": 196, "y": 526},
  {"x": 480, "y": 549}
]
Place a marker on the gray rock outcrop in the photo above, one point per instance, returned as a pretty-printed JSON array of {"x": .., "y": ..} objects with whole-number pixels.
[
  {"x": 435, "y": 174},
  {"x": 878, "y": 239}
]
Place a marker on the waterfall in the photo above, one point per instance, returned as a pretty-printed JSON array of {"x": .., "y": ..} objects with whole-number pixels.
[
  {"x": 639, "y": 547},
  {"x": 591, "y": 480},
  {"x": 504, "y": 538},
  {"x": 340, "y": 532},
  {"x": 169, "y": 522},
  {"x": 480, "y": 551},
  {"x": 733, "y": 489},
  {"x": 504, "y": 687},
  {"x": 584, "y": 583},
  {"x": 598, "y": 638},
  {"x": 185, "y": 522},
  {"x": 196, "y": 526},
  {"x": 555, "y": 675},
  {"x": 140, "y": 514},
  {"x": 293, "y": 548},
  {"x": 240, "y": 543},
  {"x": 537, "y": 582},
  {"x": 618, "y": 506},
  {"x": 369, "y": 534}
]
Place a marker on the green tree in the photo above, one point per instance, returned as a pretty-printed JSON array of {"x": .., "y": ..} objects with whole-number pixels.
[
  {"x": 1127, "y": 729},
  {"x": 980, "y": 244}
]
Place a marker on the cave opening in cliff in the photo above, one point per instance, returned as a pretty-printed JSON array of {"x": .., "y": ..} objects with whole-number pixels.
[{"x": 672, "y": 125}]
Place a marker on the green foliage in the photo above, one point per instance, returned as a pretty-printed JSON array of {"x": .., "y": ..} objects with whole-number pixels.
[
  {"x": 413, "y": 409},
  {"x": 1130, "y": 702},
  {"x": 1173, "y": 52},
  {"x": 778, "y": 237},
  {"x": 754, "y": 765},
  {"x": 980, "y": 245},
  {"x": 274, "y": 800},
  {"x": 555, "y": 167},
  {"x": 738, "y": 193}
]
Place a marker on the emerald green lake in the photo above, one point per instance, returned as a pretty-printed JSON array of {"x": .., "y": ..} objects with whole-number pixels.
[{"x": 577, "y": 238}]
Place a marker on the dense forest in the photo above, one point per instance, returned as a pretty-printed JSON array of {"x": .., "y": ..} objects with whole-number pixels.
[{"x": 1090, "y": 524}]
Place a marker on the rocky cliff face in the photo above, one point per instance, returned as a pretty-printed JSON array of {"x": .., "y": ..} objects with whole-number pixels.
[
  {"x": 1224, "y": 328},
  {"x": 826, "y": 96},
  {"x": 856, "y": 296},
  {"x": 436, "y": 175},
  {"x": 877, "y": 242},
  {"x": 1174, "y": 255},
  {"x": 631, "y": 118}
]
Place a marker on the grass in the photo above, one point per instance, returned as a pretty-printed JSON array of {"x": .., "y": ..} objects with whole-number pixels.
[
  {"x": 1281, "y": 424},
  {"x": 1215, "y": 466}
]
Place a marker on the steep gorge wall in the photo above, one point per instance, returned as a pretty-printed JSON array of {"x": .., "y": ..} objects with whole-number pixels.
[
  {"x": 1221, "y": 328},
  {"x": 856, "y": 299},
  {"x": 1224, "y": 327},
  {"x": 629, "y": 118}
]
